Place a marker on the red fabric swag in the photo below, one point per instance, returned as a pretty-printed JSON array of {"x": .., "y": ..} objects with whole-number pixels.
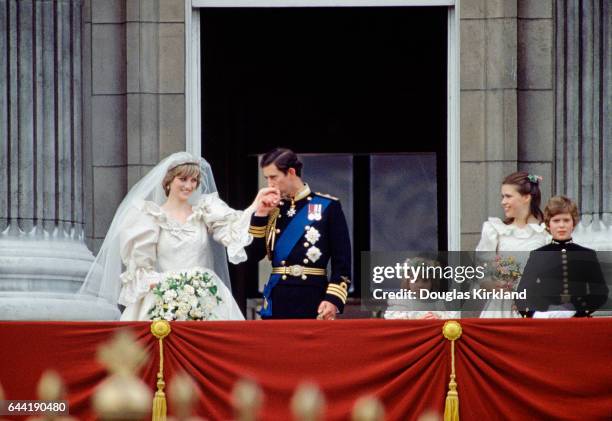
[{"x": 506, "y": 369}]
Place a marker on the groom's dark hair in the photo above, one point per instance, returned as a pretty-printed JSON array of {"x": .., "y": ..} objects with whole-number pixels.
[{"x": 284, "y": 159}]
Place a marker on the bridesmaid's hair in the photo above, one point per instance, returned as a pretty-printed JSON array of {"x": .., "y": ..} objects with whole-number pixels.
[
  {"x": 526, "y": 184},
  {"x": 284, "y": 159},
  {"x": 183, "y": 170}
]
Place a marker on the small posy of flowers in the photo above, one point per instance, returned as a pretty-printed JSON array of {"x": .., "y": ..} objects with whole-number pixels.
[
  {"x": 185, "y": 295},
  {"x": 507, "y": 270}
]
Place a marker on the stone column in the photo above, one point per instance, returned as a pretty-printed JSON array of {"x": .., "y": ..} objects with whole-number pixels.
[
  {"x": 583, "y": 132},
  {"x": 43, "y": 257}
]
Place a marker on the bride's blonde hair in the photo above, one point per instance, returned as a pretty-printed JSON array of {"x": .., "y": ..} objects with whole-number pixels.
[{"x": 183, "y": 170}]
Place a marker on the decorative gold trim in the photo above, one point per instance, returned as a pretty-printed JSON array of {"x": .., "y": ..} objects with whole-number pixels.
[
  {"x": 271, "y": 232},
  {"x": 338, "y": 289},
  {"x": 160, "y": 329},
  {"x": 337, "y": 294},
  {"x": 257, "y": 232},
  {"x": 302, "y": 193},
  {"x": 329, "y": 196},
  {"x": 298, "y": 270},
  {"x": 452, "y": 331}
]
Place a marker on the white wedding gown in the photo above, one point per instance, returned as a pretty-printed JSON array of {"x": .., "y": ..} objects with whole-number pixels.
[
  {"x": 152, "y": 243},
  {"x": 509, "y": 240}
]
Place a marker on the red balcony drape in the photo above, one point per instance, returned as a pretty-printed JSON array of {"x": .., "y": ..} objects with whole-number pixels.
[{"x": 506, "y": 369}]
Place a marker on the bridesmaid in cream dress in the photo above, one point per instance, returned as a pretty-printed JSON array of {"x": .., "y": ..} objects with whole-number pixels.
[{"x": 520, "y": 232}]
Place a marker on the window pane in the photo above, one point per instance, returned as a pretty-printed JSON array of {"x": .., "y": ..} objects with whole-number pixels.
[
  {"x": 332, "y": 174},
  {"x": 403, "y": 202}
]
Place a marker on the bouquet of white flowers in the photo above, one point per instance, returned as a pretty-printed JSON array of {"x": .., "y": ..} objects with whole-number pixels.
[{"x": 188, "y": 295}]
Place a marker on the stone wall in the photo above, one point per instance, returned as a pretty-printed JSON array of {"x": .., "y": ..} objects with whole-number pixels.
[
  {"x": 535, "y": 105},
  {"x": 535, "y": 96},
  {"x": 488, "y": 67},
  {"x": 133, "y": 99}
]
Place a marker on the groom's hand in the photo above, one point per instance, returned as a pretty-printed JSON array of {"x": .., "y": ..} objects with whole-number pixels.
[{"x": 327, "y": 311}]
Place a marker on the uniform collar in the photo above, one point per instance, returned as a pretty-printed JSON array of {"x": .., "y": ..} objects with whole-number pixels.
[
  {"x": 562, "y": 242},
  {"x": 303, "y": 193}
]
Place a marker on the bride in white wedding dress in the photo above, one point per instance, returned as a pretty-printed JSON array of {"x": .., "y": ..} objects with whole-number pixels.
[{"x": 171, "y": 221}]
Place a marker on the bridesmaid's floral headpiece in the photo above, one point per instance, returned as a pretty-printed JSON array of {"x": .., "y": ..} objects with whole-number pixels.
[{"x": 535, "y": 178}]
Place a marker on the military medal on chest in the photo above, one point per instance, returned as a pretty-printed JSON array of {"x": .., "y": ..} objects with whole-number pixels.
[
  {"x": 314, "y": 212},
  {"x": 312, "y": 236},
  {"x": 291, "y": 210}
]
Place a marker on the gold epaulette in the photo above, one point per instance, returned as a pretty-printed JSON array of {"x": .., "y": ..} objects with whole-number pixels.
[
  {"x": 271, "y": 231},
  {"x": 329, "y": 196}
]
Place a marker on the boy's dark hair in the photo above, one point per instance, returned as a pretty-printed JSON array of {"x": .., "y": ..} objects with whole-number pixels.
[
  {"x": 561, "y": 204},
  {"x": 284, "y": 159}
]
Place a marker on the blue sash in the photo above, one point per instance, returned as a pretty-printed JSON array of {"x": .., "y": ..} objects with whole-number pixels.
[{"x": 286, "y": 242}]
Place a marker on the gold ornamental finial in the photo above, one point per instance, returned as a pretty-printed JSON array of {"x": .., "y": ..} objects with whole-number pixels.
[
  {"x": 182, "y": 393},
  {"x": 429, "y": 415},
  {"x": 160, "y": 329},
  {"x": 50, "y": 386},
  {"x": 247, "y": 398},
  {"x": 452, "y": 330},
  {"x": 122, "y": 355},
  {"x": 368, "y": 408},
  {"x": 122, "y": 396},
  {"x": 308, "y": 403}
]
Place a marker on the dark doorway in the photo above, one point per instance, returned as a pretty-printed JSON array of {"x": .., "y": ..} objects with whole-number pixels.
[{"x": 365, "y": 82}]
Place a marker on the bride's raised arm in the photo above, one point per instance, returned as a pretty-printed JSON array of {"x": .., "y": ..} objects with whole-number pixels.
[{"x": 228, "y": 226}]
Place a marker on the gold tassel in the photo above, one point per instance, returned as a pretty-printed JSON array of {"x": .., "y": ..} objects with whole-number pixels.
[
  {"x": 159, "y": 402},
  {"x": 160, "y": 329},
  {"x": 452, "y": 332}
]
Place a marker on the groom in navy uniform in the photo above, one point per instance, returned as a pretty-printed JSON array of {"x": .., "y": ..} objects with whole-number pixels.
[{"x": 299, "y": 237}]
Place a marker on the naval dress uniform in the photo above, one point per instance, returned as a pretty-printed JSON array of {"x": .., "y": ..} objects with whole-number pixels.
[
  {"x": 299, "y": 237},
  {"x": 562, "y": 275}
]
